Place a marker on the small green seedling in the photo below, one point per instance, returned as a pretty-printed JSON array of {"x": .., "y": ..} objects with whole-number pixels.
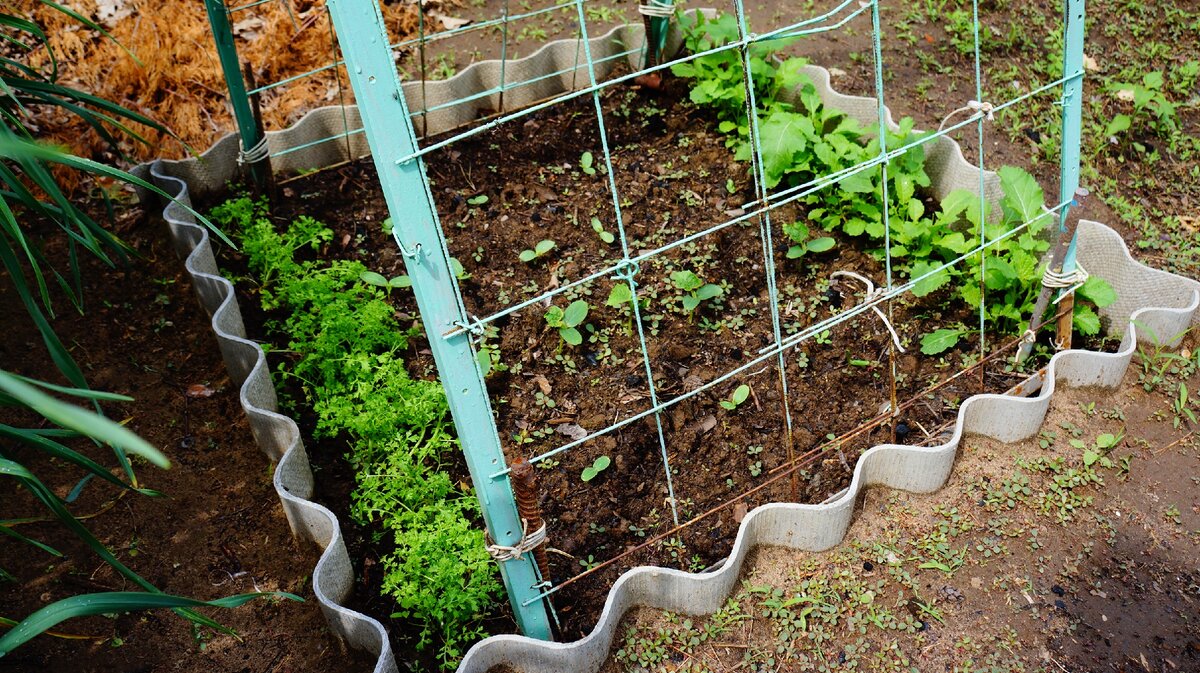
[
  {"x": 695, "y": 288},
  {"x": 567, "y": 322},
  {"x": 478, "y": 200},
  {"x": 586, "y": 163},
  {"x": 592, "y": 471},
  {"x": 799, "y": 233},
  {"x": 378, "y": 280},
  {"x": 598, "y": 227},
  {"x": 735, "y": 400},
  {"x": 730, "y": 187},
  {"x": 539, "y": 250}
]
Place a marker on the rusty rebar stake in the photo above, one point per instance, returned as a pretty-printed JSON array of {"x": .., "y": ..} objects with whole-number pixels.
[{"x": 524, "y": 485}]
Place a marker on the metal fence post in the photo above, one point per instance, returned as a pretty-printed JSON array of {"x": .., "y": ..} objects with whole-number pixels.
[
  {"x": 1072, "y": 112},
  {"x": 218, "y": 20},
  {"x": 364, "y": 43}
]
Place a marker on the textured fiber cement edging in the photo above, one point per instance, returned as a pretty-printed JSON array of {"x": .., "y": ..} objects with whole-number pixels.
[{"x": 808, "y": 527}]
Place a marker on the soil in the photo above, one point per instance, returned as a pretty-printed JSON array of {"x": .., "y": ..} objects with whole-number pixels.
[
  {"x": 218, "y": 530},
  {"x": 1113, "y": 587}
]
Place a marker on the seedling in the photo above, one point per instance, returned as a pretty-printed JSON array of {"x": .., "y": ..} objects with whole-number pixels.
[
  {"x": 695, "y": 289},
  {"x": 568, "y": 321},
  {"x": 586, "y": 162},
  {"x": 540, "y": 250},
  {"x": 378, "y": 280},
  {"x": 598, "y": 227},
  {"x": 737, "y": 398},
  {"x": 592, "y": 471},
  {"x": 478, "y": 200},
  {"x": 1180, "y": 406},
  {"x": 798, "y": 232}
]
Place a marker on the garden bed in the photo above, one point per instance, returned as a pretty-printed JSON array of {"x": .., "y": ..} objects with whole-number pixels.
[{"x": 679, "y": 178}]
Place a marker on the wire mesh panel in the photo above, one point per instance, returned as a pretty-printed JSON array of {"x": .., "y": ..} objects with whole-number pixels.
[{"x": 628, "y": 318}]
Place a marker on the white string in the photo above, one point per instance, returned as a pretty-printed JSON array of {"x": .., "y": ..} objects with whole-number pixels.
[
  {"x": 527, "y": 543},
  {"x": 980, "y": 108},
  {"x": 1068, "y": 281},
  {"x": 256, "y": 154},
  {"x": 873, "y": 293},
  {"x": 656, "y": 10}
]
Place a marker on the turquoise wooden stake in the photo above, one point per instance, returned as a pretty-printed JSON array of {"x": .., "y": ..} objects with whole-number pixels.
[
  {"x": 658, "y": 22},
  {"x": 1072, "y": 113},
  {"x": 218, "y": 20},
  {"x": 364, "y": 43}
]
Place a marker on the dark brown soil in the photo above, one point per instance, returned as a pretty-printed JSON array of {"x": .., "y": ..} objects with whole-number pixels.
[{"x": 218, "y": 530}]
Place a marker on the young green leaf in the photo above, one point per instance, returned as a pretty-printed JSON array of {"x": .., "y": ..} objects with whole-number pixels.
[
  {"x": 575, "y": 313},
  {"x": 619, "y": 295},
  {"x": 940, "y": 340},
  {"x": 372, "y": 278},
  {"x": 586, "y": 162}
]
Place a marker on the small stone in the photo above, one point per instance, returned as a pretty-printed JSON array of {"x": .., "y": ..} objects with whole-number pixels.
[
  {"x": 1060, "y": 604},
  {"x": 837, "y": 72},
  {"x": 868, "y": 566},
  {"x": 1057, "y": 590}
]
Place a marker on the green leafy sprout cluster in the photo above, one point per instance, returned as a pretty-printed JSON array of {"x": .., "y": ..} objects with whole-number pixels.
[{"x": 348, "y": 353}]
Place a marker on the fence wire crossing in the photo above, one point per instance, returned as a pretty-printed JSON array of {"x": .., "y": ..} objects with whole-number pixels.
[{"x": 399, "y": 158}]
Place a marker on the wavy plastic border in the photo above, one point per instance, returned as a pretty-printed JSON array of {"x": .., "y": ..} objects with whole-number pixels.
[{"x": 806, "y": 527}]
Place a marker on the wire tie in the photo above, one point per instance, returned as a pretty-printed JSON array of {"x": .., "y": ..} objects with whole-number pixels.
[
  {"x": 1067, "y": 281},
  {"x": 415, "y": 253},
  {"x": 528, "y": 542},
  {"x": 475, "y": 328},
  {"x": 255, "y": 154},
  {"x": 626, "y": 270},
  {"x": 982, "y": 108}
]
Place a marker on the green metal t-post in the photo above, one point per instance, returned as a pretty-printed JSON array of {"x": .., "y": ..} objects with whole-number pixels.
[
  {"x": 1072, "y": 113},
  {"x": 218, "y": 19},
  {"x": 364, "y": 42}
]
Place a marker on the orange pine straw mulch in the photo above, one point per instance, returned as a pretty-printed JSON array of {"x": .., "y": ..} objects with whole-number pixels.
[{"x": 179, "y": 82}]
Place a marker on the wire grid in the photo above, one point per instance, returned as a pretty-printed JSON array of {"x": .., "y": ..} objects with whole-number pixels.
[{"x": 757, "y": 211}]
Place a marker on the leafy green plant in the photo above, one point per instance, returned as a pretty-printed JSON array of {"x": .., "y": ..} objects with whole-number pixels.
[
  {"x": 542, "y": 248},
  {"x": 1152, "y": 111},
  {"x": 567, "y": 322},
  {"x": 348, "y": 352},
  {"x": 736, "y": 398},
  {"x": 695, "y": 290},
  {"x": 592, "y": 471}
]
